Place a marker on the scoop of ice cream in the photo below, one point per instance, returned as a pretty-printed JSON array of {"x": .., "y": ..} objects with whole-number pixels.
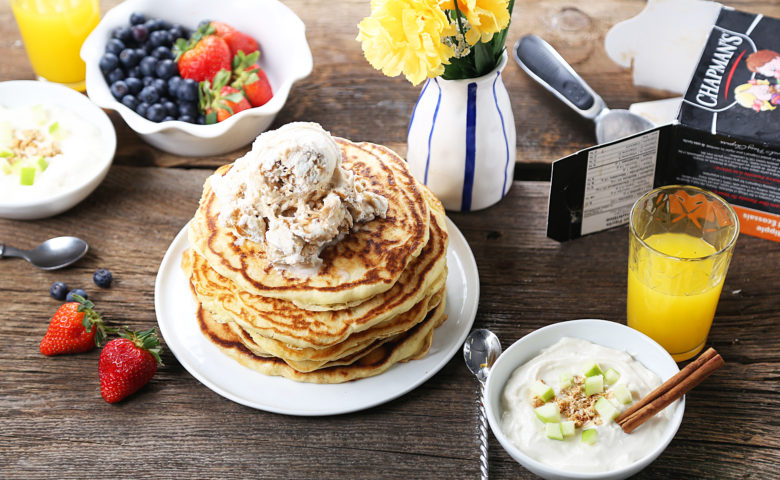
[{"x": 291, "y": 194}]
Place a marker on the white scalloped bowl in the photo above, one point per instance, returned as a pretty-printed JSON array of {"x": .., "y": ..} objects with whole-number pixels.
[
  {"x": 286, "y": 58},
  {"x": 40, "y": 204},
  {"x": 602, "y": 332}
]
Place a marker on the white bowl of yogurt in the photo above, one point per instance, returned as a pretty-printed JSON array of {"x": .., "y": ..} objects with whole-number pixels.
[
  {"x": 549, "y": 368},
  {"x": 56, "y": 146}
]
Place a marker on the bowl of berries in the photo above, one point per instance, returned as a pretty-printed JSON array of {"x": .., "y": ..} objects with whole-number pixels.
[{"x": 196, "y": 77}]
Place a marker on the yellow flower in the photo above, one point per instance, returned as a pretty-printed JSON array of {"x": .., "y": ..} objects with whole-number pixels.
[
  {"x": 405, "y": 36},
  {"x": 486, "y": 17}
]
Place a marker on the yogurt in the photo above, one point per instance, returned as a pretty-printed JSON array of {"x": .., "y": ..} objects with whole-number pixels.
[
  {"x": 44, "y": 150},
  {"x": 614, "y": 448}
]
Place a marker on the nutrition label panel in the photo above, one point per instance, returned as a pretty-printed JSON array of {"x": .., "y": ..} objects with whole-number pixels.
[{"x": 616, "y": 176}]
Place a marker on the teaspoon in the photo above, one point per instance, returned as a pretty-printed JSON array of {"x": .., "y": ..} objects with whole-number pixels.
[
  {"x": 480, "y": 351},
  {"x": 52, "y": 254}
]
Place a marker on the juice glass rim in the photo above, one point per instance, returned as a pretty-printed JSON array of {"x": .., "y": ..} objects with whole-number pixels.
[{"x": 731, "y": 213}]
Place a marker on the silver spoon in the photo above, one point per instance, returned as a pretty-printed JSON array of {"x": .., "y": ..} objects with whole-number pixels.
[
  {"x": 546, "y": 66},
  {"x": 52, "y": 254},
  {"x": 480, "y": 351}
]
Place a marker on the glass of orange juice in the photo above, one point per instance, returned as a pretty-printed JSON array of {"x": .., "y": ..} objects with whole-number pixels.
[
  {"x": 681, "y": 241},
  {"x": 53, "y": 31}
]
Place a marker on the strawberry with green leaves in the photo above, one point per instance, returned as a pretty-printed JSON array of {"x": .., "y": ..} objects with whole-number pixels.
[
  {"x": 203, "y": 55},
  {"x": 128, "y": 363},
  {"x": 75, "y": 327},
  {"x": 219, "y": 100},
  {"x": 251, "y": 79}
]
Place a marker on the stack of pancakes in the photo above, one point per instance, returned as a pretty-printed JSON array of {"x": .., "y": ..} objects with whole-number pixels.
[{"x": 375, "y": 301}]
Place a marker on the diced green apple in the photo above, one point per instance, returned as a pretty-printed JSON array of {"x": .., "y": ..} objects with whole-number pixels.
[
  {"x": 611, "y": 376},
  {"x": 594, "y": 384},
  {"x": 568, "y": 428},
  {"x": 42, "y": 163},
  {"x": 622, "y": 394},
  {"x": 592, "y": 368},
  {"x": 565, "y": 380},
  {"x": 548, "y": 413},
  {"x": 590, "y": 436},
  {"x": 605, "y": 409},
  {"x": 553, "y": 430},
  {"x": 27, "y": 176},
  {"x": 542, "y": 390}
]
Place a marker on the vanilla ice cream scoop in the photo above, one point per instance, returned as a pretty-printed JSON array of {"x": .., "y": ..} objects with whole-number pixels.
[{"x": 291, "y": 194}]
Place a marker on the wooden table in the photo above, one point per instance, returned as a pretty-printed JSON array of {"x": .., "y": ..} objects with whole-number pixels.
[{"x": 53, "y": 423}]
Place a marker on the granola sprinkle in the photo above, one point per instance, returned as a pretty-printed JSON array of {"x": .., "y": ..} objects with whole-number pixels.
[{"x": 576, "y": 406}]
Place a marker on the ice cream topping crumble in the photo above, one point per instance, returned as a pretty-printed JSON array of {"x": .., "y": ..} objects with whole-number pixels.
[{"x": 291, "y": 194}]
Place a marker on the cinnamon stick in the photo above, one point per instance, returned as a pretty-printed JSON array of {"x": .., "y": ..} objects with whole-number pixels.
[{"x": 677, "y": 386}]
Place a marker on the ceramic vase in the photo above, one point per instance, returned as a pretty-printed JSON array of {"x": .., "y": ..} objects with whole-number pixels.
[{"x": 461, "y": 140}]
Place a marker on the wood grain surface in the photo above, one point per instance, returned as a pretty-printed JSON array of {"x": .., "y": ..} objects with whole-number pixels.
[{"x": 54, "y": 424}]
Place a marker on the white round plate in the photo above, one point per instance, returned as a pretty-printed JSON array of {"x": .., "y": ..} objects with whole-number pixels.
[{"x": 175, "y": 310}]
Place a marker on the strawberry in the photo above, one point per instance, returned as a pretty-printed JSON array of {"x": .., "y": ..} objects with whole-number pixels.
[
  {"x": 251, "y": 79},
  {"x": 203, "y": 55},
  {"x": 237, "y": 41},
  {"x": 219, "y": 100},
  {"x": 128, "y": 363},
  {"x": 75, "y": 327}
]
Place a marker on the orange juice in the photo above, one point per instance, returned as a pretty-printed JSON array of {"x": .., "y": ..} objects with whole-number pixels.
[
  {"x": 673, "y": 300},
  {"x": 53, "y": 31}
]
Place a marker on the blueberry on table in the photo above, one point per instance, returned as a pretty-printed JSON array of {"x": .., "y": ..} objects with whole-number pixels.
[
  {"x": 115, "y": 46},
  {"x": 140, "y": 33},
  {"x": 188, "y": 90},
  {"x": 137, "y": 18},
  {"x": 102, "y": 278},
  {"x": 119, "y": 89},
  {"x": 161, "y": 53},
  {"x": 149, "y": 94},
  {"x": 58, "y": 290},
  {"x": 134, "y": 84},
  {"x": 130, "y": 102},
  {"x": 156, "y": 112},
  {"x": 75, "y": 291},
  {"x": 108, "y": 62},
  {"x": 115, "y": 75},
  {"x": 166, "y": 69}
]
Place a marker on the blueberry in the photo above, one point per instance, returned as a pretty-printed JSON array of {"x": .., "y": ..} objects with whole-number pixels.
[
  {"x": 58, "y": 290},
  {"x": 76, "y": 291},
  {"x": 124, "y": 33},
  {"x": 166, "y": 69},
  {"x": 156, "y": 112},
  {"x": 201, "y": 120},
  {"x": 115, "y": 46},
  {"x": 187, "y": 118},
  {"x": 162, "y": 53},
  {"x": 119, "y": 89},
  {"x": 153, "y": 24},
  {"x": 171, "y": 108},
  {"x": 178, "y": 31},
  {"x": 188, "y": 90},
  {"x": 115, "y": 75},
  {"x": 108, "y": 62},
  {"x": 135, "y": 72},
  {"x": 134, "y": 85},
  {"x": 140, "y": 33},
  {"x": 149, "y": 94},
  {"x": 102, "y": 278},
  {"x": 148, "y": 80},
  {"x": 188, "y": 109},
  {"x": 130, "y": 102},
  {"x": 160, "y": 38},
  {"x": 148, "y": 65},
  {"x": 137, "y": 18},
  {"x": 129, "y": 58},
  {"x": 161, "y": 85},
  {"x": 168, "y": 118},
  {"x": 173, "y": 85},
  {"x": 142, "y": 108}
]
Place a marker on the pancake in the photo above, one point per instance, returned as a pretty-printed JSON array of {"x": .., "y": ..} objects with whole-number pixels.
[
  {"x": 285, "y": 322},
  {"x": 365, "y": 263},
  {"x": 409, "y": 345}
]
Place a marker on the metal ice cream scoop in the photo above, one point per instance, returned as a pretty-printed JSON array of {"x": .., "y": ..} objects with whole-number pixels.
[
  {"x": 546, "y": 66},
  {"x": 52, "y": 254}
]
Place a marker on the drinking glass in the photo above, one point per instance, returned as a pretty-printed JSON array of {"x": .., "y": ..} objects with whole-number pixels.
[
  {"x": 53, "y": 31},
  {"x": 680, "y": 245}
]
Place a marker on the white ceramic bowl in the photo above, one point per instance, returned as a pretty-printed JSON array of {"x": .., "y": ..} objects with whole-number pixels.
[
  {"x": 608, "y": 334},
  {"x": 27, "y": 92},
  {"x": 286, "y": 58}
]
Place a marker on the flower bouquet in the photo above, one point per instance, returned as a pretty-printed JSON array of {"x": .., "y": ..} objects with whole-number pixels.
[{"x": 461, "y": 137}]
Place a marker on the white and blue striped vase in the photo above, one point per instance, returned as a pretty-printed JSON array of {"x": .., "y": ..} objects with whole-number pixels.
[{"x": 461, "y": 140}]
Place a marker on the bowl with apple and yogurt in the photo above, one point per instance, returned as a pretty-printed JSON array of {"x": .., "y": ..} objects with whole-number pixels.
[
  {"x": 56, "y": 146},
  {"x": 553, "y": 396}
]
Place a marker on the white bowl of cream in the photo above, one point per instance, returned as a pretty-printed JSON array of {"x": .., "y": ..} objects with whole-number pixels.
[
  {"x": 563, "y": 348},
  {"x": 56, "y": 146}
]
